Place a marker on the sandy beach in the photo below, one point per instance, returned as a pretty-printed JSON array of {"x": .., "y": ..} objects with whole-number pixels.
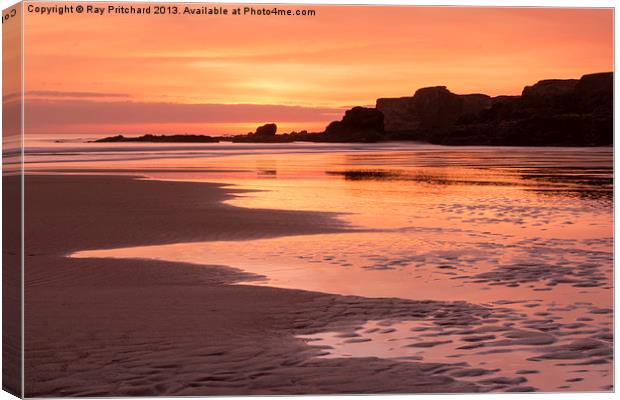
[
  {"x": 100, "y": 327},
  {"x": 303, "y": 269},
  {"x": 332, "y": 200}
]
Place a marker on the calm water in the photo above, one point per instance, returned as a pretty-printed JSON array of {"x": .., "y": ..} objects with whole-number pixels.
[{"x": 525, "y": 232}]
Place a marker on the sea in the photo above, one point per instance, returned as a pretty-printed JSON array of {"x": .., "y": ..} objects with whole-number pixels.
[{"x": 524, "y": 231}]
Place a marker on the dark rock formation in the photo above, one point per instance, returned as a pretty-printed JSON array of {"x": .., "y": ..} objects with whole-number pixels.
[
  {"x": 550, "y": 113},
  {"x": 562, "y": 112},
  {"x": 437, "y": 107},
  {"x": 429, "y": 109},
  {"x": 359, "y": 124},
  {"x": 595, "y": 92},
  {"x": 550, "y": 88},
  {"x": 264, "y": 134},
  {"x": 266, "y": 130},
  {"x": 161, "y": 139},
  {"x": 399, "y": 114}
]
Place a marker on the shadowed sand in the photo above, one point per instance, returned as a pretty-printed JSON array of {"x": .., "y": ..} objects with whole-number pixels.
[{"x": 101, "y": 327}]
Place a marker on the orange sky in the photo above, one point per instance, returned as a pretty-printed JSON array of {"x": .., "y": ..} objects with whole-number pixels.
[{"x": 169, "y": 74}]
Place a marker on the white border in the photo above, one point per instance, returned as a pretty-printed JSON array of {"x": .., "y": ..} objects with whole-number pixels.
[{"x": 506, "y": 3}]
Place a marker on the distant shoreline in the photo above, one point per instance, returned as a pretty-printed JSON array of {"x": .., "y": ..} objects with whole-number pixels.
[{"x": 148, "y": 138}]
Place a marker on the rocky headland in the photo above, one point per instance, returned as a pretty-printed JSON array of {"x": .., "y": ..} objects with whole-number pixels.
[{"x": 552, "y": 112}]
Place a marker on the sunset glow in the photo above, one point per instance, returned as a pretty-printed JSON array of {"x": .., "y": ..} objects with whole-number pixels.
[{"x": 302, "y": 70}]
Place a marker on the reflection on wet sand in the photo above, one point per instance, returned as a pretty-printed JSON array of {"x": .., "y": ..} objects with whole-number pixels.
[
  {"x": 549, "y": 315},
  {"x": 521, "y": 239}
]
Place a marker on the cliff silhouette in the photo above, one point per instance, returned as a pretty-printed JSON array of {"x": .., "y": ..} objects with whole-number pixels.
[{"x": 552, "y": 112}]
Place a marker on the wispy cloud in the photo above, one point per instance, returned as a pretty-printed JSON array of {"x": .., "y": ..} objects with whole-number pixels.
[
  {"x": 62, "y": 94},
  {"x": 64, "y": 115},
  {"x": 344, "y": 55}
]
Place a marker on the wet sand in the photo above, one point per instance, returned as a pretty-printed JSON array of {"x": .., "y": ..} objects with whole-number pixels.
[{"x": 101, "y": 327}]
